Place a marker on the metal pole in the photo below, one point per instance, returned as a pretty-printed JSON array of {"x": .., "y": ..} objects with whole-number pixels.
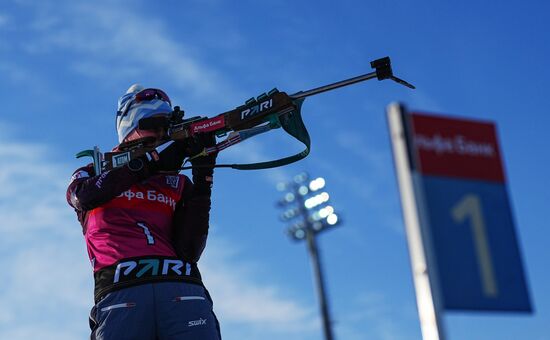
[
  {"x": 321, "y": 89},
  {"x": 427, "y": 294},
  {"x": 319, "y": 283},
  {"x": 316, "y": 264},
  {"x": 382, "y": 71}
]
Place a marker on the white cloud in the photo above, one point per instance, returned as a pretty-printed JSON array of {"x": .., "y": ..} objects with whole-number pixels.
[
  {"x": 99, "y": 70},
  {"x": 240, "y": 300},
  {"x": 44, "y": 261},
  {"x": 49, "y": 281},
  {"x": 356, "y": 145},
  {"x": 112, "y": 37},
  {"x": 30, "y": 189},
  {"x": 421, "y": 100},
  {"x": 373, "y": 312},
  {"x": 17, "y": 74},
  {"x": 372, "y": 169},
  {"x": 355, "y": 181}
]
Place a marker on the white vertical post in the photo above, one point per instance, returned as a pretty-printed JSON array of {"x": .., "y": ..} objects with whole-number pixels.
[{"x": 427, "y": 304}]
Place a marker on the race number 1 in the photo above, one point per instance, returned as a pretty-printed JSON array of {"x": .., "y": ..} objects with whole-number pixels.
[
  {"x": 470, "y": 207},
  {"x": 150, "y": 239}
]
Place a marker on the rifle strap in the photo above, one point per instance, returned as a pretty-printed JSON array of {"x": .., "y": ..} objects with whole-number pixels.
[{"x": 291, "y": 122}]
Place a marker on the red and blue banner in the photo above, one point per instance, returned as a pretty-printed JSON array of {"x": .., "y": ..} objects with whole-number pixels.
[{"x": 465, "y": 211}]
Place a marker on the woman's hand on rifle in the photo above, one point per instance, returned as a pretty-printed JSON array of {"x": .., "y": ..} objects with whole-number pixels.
[{"x": 203, "y": 164}]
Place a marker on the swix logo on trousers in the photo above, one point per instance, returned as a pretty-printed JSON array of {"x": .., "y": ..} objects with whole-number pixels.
[
  {"x": 196, "y": 322},
  {"x": 254, "y": 110}
]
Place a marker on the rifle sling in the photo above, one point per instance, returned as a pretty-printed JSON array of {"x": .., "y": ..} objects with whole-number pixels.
[{"x": 293, "y": 124}]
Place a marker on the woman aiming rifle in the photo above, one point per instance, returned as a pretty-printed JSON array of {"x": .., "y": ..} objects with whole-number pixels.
[{"x": 145, "y": 227}]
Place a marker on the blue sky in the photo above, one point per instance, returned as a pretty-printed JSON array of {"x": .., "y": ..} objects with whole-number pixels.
[{"x": 65, "y": 63}]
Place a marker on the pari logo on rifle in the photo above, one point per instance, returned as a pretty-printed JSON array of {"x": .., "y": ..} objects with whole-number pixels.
[{"x": 254, "y": 110}]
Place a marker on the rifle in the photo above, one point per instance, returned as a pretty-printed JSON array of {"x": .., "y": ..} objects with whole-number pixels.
[{"x": 268, "y": 111}]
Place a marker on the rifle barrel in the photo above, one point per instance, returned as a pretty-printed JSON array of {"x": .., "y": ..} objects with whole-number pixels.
[{"x": 329, "y": 87}]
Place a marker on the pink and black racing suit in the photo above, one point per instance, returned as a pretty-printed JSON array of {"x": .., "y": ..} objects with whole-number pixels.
[{"x": 139, "y": 227}]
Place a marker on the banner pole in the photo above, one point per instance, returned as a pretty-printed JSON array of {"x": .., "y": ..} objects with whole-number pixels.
[{"x": 426, "y": 294}]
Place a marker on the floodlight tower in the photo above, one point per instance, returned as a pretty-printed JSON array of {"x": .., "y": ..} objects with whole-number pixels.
[{"x": 307, "y": 208}]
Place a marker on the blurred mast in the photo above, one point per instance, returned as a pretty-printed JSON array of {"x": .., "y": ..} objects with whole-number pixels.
[
  {"x": 316, "y": 264},
  {"x": 313, "y": 214}
]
